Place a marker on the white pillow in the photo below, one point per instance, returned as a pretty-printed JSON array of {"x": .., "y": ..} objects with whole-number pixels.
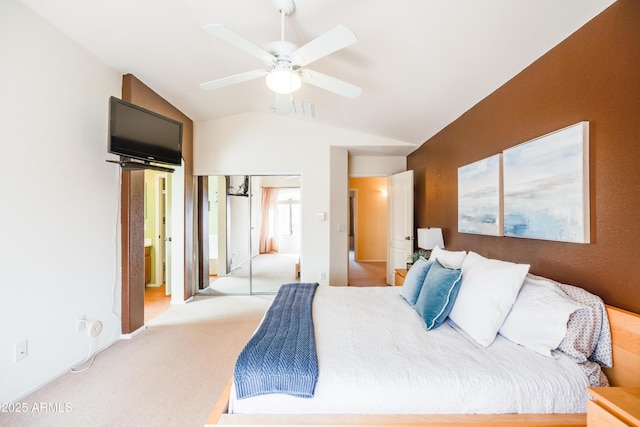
[
  {"x": 488, "y": 290},
  {"x": 472, "y": 259},
  {"x": 538, "y": 319},
  {"x": 448, "y": 259}
]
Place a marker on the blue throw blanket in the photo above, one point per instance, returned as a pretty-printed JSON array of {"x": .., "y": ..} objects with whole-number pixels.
[{"x": 281, "y": 356}]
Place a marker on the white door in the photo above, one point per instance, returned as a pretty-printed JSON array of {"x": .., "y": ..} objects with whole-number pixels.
[
  {"x": 175, "y": 236},
  {"x": 161, "y": 223},
  {"x": 400, "y": 229},
  {"x": 168, "y": 236}
]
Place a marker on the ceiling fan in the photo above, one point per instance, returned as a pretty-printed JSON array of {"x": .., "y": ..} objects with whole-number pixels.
[{"x": 284, "y": 61}]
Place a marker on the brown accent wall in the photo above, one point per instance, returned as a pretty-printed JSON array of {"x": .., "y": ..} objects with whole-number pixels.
[
  {"x": 132, "y": 222},
  {"x": 132, "y": 211},
  {"x": 593, "y": 75}
]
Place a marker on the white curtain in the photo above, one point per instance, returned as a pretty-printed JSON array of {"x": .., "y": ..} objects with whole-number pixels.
[{"x": 269, "y": 220}]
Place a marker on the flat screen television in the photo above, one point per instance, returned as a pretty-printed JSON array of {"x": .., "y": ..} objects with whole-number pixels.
[{"x": 138, "y": 133}]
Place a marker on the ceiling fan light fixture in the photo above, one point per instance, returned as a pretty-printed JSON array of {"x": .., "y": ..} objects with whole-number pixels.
[{"x": 284, "y": 81}]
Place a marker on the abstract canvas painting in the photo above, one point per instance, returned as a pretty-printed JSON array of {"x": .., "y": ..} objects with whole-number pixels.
[
  {"x": 546, "y": 187},
  {"x": 480, "y": 197}
]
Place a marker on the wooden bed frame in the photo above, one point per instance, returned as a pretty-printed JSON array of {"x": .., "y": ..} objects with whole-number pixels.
[{"x": 625, "y": 334}]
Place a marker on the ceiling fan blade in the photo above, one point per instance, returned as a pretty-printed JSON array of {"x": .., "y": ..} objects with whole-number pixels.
[
  {"x": 330, "y": 83},
  {"x": 329, "y": 42},
  {"x": 231, "y": 80},
  {"x": 240, "y": 42},
  {"x": 284, "y": 104}
]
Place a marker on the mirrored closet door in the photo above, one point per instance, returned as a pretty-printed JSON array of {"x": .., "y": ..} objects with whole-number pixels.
[{"x": 254, "y": 233}]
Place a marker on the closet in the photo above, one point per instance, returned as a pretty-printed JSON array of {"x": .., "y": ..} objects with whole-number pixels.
[{"x": 253, "y": 233}]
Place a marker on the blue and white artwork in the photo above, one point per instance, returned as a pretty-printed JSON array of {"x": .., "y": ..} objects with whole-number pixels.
[
  {"x": 480, "y": 197},
  {"x": 546, "y": 187}
]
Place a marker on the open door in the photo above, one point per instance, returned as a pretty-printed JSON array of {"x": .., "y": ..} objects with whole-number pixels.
[
  {"x": 175, "y": 236},
  {"x": 400, "y": 206},
  {"x": 160, "y": 227}
]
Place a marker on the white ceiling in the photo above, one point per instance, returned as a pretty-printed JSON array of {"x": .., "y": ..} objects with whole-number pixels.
[{"x": 420, "y": 63}]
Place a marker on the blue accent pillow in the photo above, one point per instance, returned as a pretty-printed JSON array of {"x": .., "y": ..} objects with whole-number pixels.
[
  {"x": 414, "y": 279},
  {"x": 438, "y": 294}
]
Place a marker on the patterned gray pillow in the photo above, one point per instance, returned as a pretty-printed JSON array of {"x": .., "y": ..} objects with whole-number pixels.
[{"x": 588, "y": 338}]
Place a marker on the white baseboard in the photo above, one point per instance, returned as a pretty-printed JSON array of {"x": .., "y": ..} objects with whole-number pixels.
[
  {"x": 57, "y": 375},
  {"x": 133, "y": 334},
  {"x": 188, "y": 300}
]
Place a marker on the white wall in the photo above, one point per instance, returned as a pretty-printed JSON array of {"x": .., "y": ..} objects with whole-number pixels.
[
  {"x": 59, "y": 217},
  {"x": 264, "y": 144},
  {"x": 339, "y": 215},
  {"x": 370, "y": 166}
]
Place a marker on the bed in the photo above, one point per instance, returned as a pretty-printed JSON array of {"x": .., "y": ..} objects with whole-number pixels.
[{"x": 372, "y": 372}]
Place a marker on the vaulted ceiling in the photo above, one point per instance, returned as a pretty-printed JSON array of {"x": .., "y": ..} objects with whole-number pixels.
[{"x": 420, "y": 63}]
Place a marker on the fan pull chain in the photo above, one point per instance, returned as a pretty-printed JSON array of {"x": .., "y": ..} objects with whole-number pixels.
[{"x": 283, "y": 13}]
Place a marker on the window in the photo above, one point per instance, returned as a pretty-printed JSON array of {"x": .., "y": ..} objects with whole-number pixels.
[{"x": 289, "y": 211}]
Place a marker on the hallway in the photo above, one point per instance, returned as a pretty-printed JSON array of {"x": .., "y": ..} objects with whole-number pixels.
[
  {"x": 155, "y": 301},
  {"x": 366, "y": 273}
]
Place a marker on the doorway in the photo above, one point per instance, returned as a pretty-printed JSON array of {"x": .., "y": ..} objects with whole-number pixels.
[
  {"x": 254, "y": 233},
  {"x": 157, "y": 296},
  {"x": 367, "y": 231}
]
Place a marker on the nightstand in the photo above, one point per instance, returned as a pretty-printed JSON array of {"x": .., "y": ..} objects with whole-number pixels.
[
  {"x": 401, "y": 273},
  {"x": 613, "y": 406}
]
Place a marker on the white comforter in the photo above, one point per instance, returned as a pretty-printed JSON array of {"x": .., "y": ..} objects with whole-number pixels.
[{"x": 376, "y": 357}]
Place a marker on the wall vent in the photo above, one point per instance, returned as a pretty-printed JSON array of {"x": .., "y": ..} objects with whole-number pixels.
[{"x": 304, "y": 109}]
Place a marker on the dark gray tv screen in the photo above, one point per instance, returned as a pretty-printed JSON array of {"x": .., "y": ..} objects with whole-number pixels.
[{"x": 142, "y": 134}]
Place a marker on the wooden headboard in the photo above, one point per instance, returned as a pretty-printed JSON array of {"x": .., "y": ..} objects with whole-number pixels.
[{"x": 625, "y": 336}]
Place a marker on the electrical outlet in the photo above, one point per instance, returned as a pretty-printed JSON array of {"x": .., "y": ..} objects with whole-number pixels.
[
  {"x": 323, "y": 275},
  {"x": 81, "y": 323},
  {"x": 20, "y": 351}
]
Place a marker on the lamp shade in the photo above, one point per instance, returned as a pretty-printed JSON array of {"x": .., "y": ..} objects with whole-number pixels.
[
  {"x": 429, "y": 238},
  {"x": 284, "y": 81}
]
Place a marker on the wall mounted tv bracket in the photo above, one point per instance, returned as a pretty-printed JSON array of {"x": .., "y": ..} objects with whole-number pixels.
[{"x": 129, "y": 164}]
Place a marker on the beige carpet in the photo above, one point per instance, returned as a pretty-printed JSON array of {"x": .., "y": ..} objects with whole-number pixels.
[
  {"x": 169, "y": 375},
  {"x": 268, "y": 273},
  {"x": 367, "y": 273}
]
